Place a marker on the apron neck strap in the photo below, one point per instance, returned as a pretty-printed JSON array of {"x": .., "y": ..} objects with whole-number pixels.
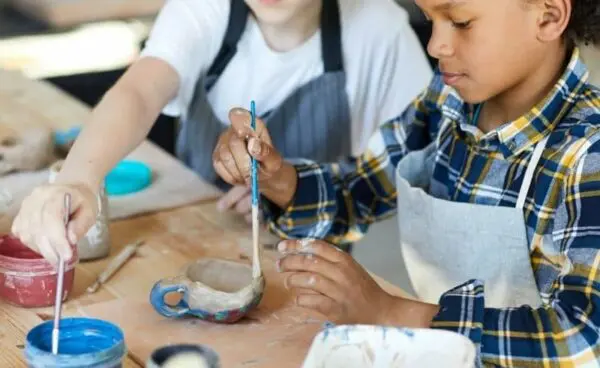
[
  {"x": 535, "y": 159},
  {"x": 331, "y": 37},
  {"x": 238, "y": 17}
]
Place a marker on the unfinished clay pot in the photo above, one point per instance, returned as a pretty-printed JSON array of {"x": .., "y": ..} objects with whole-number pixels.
[{"x": 212, "y": 289}]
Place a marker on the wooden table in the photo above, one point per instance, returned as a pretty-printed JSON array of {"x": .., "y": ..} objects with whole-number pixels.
[{"x": 276, "y": 330}]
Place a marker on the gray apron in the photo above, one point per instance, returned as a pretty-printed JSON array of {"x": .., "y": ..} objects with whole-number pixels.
[
  {"x": 313, "y": 122},
  {"x": 445, "y": 243}
]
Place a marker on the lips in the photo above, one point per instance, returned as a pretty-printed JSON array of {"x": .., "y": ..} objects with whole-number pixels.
[{"x": 451, "y": 78}]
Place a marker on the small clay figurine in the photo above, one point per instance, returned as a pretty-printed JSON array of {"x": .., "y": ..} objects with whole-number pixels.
[{"x": 31, "y": 149}]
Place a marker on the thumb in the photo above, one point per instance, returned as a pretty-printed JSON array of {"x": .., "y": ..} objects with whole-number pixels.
[
  {"x": 241, "y": 124},
  {"x": 79, "y": 224},
  {"x": 268, "y": 157}
]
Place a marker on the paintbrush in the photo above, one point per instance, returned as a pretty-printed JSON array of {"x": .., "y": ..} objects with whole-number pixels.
[
  {"x": 256, "y": 272},
  {"x": 114, "y": 265},
  {"x": 60, "y": 282}
]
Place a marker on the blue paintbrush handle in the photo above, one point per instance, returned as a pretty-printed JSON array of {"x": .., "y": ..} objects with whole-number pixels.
[{"x": 254, "y": 172}]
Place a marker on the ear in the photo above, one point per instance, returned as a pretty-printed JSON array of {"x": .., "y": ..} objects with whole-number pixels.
[{"x": 553, "y": 20}]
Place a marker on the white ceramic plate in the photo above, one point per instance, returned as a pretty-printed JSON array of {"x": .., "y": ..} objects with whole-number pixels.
[{"x": 364, "y": 346}]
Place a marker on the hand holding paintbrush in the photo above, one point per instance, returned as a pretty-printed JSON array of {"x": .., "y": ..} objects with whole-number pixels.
[{"x": 239, "y": 144}]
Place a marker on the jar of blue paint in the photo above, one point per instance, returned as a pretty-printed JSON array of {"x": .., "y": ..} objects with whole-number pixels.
[{"x": 83, "y": 342}]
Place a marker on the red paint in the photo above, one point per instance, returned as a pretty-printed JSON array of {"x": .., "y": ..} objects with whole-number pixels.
[{"x": 27, "y": 279}]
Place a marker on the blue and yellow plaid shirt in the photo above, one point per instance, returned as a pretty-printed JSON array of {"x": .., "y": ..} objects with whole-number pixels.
[{"x": 337, "y": 202}]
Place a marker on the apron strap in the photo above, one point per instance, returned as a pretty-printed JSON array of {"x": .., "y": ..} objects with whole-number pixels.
[
  {"x": 331, "y": 38},
  {"x": 535, "y": 159},
  {"x": 238, "y": 17}
]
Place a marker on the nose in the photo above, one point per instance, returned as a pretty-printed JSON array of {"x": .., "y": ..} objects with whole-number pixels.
[{"x": 440, "y": 43}]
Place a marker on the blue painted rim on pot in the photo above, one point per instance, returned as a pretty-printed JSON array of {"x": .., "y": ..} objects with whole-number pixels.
[{"x": 90, "y": 343}]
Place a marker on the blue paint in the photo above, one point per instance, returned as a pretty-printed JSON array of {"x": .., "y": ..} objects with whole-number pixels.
[
  {"x": 84, "y": 342},
  {"x": 127, "y": 177},
  {"x": 253, "y": 160},
  {"x": 157, "y": 299},
  {"x": 64, "y": 137}
]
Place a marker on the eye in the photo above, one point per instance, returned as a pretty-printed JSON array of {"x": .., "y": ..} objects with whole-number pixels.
[{"x": 461, "y": 25}]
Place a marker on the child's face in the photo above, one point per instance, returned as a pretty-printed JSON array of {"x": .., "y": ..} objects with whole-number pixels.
[
  {"x": 280, "y": 12},
  {"x": 484, "y": 47}
]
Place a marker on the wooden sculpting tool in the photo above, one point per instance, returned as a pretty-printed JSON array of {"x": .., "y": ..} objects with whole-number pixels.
[
  {"x": 115, "y": 264},
  {"x": 60, "y": 282}
]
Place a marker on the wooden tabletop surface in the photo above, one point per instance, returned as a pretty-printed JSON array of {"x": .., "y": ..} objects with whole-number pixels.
[{"x": 275, "y": 330}]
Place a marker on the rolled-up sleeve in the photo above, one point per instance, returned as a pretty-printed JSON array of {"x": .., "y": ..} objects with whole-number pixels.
[{"x": 337, "y": 202}]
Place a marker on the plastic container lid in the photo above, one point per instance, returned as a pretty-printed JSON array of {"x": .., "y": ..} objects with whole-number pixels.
[
  {"x": 127, "y": 177},
  {"x": 83, "y": 342}
]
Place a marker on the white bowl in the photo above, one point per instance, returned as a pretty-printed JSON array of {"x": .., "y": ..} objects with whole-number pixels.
[{"x": 363, "y": 346}]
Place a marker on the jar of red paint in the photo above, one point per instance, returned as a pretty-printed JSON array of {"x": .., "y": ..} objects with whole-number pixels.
[{"x": 26, "y": 278}]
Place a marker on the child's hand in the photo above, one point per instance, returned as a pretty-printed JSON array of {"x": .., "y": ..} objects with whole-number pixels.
[
  {"x": 231, "y": 159},
  {"x": 39, "y": 223},
  {"x": 238, "y": 199},
  {"x": 330, "y": 281}
]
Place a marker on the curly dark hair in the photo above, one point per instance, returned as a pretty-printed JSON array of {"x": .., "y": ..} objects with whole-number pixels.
[{"x": 584, "y": 25}]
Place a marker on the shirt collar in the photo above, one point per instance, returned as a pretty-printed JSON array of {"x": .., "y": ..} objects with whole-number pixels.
[{"x": 524, "y": 132}]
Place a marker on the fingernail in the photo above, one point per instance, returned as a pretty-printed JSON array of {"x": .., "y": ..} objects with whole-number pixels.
[
  {"x": 239, "y": 111},
  {"x": 306, "y": 245},
  {"x": 220, "y": 206},
  {"x": 254, "y": 146},
  {"x": 312, "y": 280},
  {"x": 278, "y": 265},
  {"x": 282, "y": 246}
]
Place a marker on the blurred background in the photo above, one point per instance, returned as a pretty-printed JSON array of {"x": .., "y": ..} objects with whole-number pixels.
[{"x": 84, "y": 46}]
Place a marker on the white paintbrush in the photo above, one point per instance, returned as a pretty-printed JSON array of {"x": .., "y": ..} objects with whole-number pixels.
[{"x": 60, "y": 283}]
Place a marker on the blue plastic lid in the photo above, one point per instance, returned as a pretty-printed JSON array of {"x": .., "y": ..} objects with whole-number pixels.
[{"x": 127, "y": 177}]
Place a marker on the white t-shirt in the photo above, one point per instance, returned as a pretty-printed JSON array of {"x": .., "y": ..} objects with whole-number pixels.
[{"x": 385, "y": 65}]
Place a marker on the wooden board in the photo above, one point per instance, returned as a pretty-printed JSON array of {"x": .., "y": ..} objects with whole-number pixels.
[
  {"x": 40, "y": 101},
  {"x": 66, "y": 13}
]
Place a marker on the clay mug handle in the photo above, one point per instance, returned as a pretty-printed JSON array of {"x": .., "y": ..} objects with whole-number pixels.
[{"x": 163, "y": 287}]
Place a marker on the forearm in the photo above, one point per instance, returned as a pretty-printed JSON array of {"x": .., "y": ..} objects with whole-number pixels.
[
  {"x": 116, "y": 127},
  {"x": 282, "y": 188},
  {"x": 120, "y": 122},
  {"x": 407, "y": 313}
]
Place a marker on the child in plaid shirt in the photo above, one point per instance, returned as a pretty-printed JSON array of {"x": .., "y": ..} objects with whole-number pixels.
[{"x": 494, "y": 171}]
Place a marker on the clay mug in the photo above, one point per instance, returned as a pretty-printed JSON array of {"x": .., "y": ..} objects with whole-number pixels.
[{"x": 211, "y": 289}]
